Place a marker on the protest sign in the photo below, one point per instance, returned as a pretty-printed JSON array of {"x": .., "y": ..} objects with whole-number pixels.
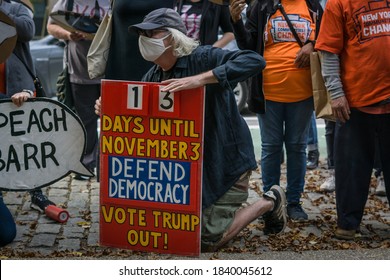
[
  {"x": 40, "y": 142},
  {"x": 151, "y": 167},
  {"x": 72, "y": 22}
]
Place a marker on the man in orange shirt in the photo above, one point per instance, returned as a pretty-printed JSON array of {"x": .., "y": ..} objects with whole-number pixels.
[{"x": 355, "y": 46}]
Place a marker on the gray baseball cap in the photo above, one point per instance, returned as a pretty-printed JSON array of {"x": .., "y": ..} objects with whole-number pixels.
[{"x": 160, "y": 18}]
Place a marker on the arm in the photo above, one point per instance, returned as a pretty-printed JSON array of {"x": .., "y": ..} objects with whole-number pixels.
[
  {"x": 22, "y": 17},
  {"x": 190, "y": 82},
  {"x": 246, "y": 35},
  {"x": 303, "y": 56},
  {"x": 331, "y": 72},
  {"x": 62, "y": 34},
  {"x": 230, "y": 68},
  {"x": 227, "y": 29},
  {"x": 221, "y": 66},
  {"x": 225, "y": 39}
]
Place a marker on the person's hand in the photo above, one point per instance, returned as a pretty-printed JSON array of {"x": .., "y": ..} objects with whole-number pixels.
[
  {"x": 77, "y": 36},
  {"x": 19, "y": 98},
  {"x": 340, "y": 108},
  {"x": 236, "y": 7},
  {"x": 174, "y": 85},
  {"x": 190, "y": 82},
  {"x": 98, "y": 106},
  {"x": 303, "y": 56}
]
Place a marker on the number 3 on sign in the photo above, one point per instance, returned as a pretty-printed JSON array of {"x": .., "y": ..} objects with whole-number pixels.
[{"x": 166, "y": 101}]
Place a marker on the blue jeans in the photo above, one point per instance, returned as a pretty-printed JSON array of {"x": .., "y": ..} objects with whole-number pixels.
[
  {"x": 7, "y": 224},
  {"x": 354, "y": 157},
  {"x": 312, "y": 138},
  {"x": 286, "y": 123}
]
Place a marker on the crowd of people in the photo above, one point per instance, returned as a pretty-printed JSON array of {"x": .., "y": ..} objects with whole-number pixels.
[{"x": 177, "y": 43}]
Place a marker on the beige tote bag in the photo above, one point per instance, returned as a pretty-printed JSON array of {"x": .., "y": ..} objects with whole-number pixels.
[
  {"x": 321, "y": 96},
  {"x": 100, "y": 47}
]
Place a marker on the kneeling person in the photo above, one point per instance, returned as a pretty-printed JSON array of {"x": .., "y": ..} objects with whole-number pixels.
[{"x": 229, "y": 158}]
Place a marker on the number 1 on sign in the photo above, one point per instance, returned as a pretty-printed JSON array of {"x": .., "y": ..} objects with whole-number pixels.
[{"x": 134, "y": 97}]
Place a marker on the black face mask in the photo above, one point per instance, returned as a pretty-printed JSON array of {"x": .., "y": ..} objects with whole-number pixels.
[{"x": 225, "y": 2}]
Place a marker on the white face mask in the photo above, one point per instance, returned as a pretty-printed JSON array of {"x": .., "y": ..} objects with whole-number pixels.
[{"x": 151, "y": 48}]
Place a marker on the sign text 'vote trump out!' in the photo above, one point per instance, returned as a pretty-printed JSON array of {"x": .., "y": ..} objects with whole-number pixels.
[{"x": 151, "y": 167}]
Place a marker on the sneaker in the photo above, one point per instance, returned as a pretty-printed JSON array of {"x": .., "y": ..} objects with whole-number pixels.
[
  {"x": 329, "y": 185},
  {"x": 40, "y": 200},
  {"x": 296, "y": 213},
  {"x": 312, "y": 159},
  {"x": 275, "y": 220},
  {"x": 380, "y": 186},
  {"x": 81, "y": 177}
]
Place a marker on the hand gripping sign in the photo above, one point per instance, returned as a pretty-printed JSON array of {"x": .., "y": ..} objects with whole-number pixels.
[
  {"x": 151, "y": 167},
  {"x": 40, "y": 142}
]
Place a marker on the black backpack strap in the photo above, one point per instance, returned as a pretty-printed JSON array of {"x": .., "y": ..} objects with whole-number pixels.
[
  {"x": 97, "y": 11},
  {"x": 37, "y": 82},
  {"x": 69, "y": 8},
  {"x": 294, "y": 32},
  {"x": 316, "y": 12},
  {"x": 69, "y": 5},
  {"x": 179, "y": 6}
]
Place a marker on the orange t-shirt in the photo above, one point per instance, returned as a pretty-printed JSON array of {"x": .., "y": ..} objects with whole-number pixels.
[
  {"x": 359, "y": 31},
  {"x": 283, "y": 81},
  {"x": 2, "y": 78}
]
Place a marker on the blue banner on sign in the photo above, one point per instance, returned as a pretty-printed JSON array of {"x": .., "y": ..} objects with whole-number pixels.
[{"x": 151, "y": 180}]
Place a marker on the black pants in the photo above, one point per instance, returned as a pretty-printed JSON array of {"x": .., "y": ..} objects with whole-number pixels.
[
  {"x": 354, "y": 154},
  {"x": 84, "y": 97}
]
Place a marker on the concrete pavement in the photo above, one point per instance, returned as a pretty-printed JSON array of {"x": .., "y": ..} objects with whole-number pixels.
[{"x": 40, "y": 237}]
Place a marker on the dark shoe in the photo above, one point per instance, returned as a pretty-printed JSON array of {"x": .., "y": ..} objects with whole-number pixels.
[
  {"x": 40, "y": 200},
  {"x": 275, "y": 221},
  {"x": 81, "y": 177},
  {"x": 296, "y": 213},
  {"x": 84, "y": 177},
  {"x": 312, "y": 159},
  {"x": 344, "y": 234}
]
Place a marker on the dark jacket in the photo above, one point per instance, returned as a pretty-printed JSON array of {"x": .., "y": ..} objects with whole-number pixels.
[
  {"x": 228, "y": 148},
  {"x": 125, "y": 61},
  {"x": 17, "y": 75},
  {"x": 213, "y": 17},
  {"x": 251, "y": 37}
]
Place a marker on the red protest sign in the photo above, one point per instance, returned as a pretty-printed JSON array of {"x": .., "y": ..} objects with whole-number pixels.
[{"x": 151, "y": 167}]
